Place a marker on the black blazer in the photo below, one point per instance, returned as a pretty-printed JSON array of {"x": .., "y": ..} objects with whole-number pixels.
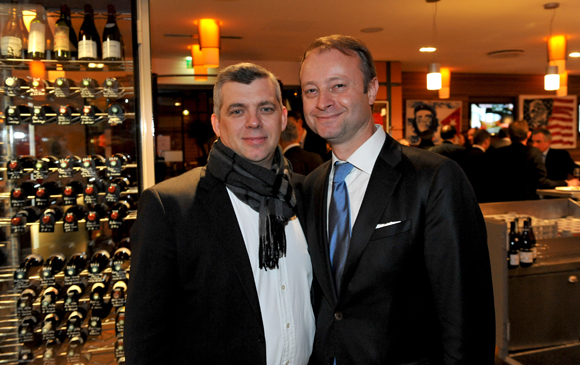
[
  {"x": 192, "y": 297},
  {"x": 418, "y": 287},
  {"x": 559, "y": 164},
  {"x": 303, "y": 162}
]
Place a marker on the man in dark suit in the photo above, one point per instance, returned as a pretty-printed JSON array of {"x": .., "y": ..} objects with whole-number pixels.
[
  {"x": 220, "y": 270},
  {"x": 520, "y": 169},
  {"x": 450, "y": 147},
  {"x": 559, "y": 163},
  {"x": 309, "y": 141},
  {"x": 477, "y": 166},
  {"x": 303, "y": 162},
  {"x": 397, "y": 240}
]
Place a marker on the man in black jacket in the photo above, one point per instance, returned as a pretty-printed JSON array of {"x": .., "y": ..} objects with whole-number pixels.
[{"x": 559, "y": 163}]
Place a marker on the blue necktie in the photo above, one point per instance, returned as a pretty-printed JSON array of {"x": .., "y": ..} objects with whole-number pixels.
[{"x": 339, "y": 221}]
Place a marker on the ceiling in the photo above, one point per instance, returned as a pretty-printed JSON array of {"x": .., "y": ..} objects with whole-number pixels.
[{"x": 466, "y": 31}]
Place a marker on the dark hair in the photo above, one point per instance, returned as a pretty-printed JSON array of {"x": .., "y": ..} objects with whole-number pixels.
[
  {"x": 290, "y": 134},
  {"x": 295, "y": 114},
  {"x": 434, "y": 121},
  {"x": 448, "y": 131},
  {"x": 480, "y": 136},
  {"x": 544, "y": 131},
  {"x": 243, "y": 73},
  {"x": 519, "y": 130},
  {"x": 349, "y": 46},
  {"x": 503, "y": 133}
]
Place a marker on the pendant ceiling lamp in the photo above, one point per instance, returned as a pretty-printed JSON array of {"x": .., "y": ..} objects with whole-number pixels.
[
  {"x": 445, "y": 91},
  {"x": 552, "y": 79},
  {"x": 556, "y": 70},
  {"x": 434, "y": 69},
  {"x": 209, "y": 41},
  {"x": 198, "y": 66}
]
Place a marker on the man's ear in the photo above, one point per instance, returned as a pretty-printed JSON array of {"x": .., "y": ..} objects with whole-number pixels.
[
  {"x": 372, "y": 90},
  {"x": 215, "y": 124}
]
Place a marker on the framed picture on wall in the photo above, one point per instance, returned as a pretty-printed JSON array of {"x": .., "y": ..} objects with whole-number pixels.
[
  {"x": 556, "y": 113},
  {"x": 429, "y": 116},
  {"x": 381, "y": 115}
]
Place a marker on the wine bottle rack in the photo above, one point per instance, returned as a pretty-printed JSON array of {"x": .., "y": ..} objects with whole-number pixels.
[{"x": 72, "y": 65}]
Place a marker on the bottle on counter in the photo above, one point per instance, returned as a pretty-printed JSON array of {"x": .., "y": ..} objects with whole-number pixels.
[
  {"x": 514, "y": 246},
  {"x": 526, "y": 248},
  {"x": 533, "y": 242}
]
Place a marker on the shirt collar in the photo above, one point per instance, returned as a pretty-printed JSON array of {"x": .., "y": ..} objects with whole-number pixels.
[
  {"x": 478, "y": 146},
  {"x": 290, "y": 146},
  {"x": 365, "y": 156}
]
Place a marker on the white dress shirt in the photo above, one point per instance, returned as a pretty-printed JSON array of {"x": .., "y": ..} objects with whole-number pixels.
[
  {"x": 363, "y": 160},
  {"x": 284, "y": 293}
]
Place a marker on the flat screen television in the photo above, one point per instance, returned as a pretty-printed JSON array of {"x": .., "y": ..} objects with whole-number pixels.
[{"x": 491, "y": 116}]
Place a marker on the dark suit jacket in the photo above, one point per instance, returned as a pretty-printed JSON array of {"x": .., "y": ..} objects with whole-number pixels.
[
  {"x": 559, "y": 164},
  {"x": 519, "y": 172},
  {"x": 477, "y": 167},
  {"x": 314, "y": 143},
  {"x": 192, "y": 297},
  {"x": 450, "y": 150},
  {"x": 303, "y": 162},
  {"x": 416, "y": 289}
]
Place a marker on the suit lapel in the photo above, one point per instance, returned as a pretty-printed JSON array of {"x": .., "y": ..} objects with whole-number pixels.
[
  {"x": 382, "y": 184},
  {"x": 319, "y": 248},
  {"x": 214, "y": 197}
]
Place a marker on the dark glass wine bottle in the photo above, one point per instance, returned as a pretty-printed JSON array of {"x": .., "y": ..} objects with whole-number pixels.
[
  {"x": 75, "y": 213},
  {"x": 99, "y": 262},
  {"x": 52, "y": 214},
  {"x": 65, "y": 38},
  {"x": 51, "y": 322},
  {"x": 533, "y": 242},
  {"x": 90, "y": 48},
  {"x": 113, "y": 47},
  {"x": 53, "y": 265},
  {"x": 26, "y": 215},
  {"x": 76, "y": 264},
  {"x": 526, "y": 248}
]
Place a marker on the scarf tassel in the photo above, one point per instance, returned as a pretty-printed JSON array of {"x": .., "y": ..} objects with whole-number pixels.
[{"x": 272, "y": 241}]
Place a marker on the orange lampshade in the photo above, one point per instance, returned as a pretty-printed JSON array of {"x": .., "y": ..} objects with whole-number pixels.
[
  {"x": 199, "y": 70},
  {"x": 209, "y": 41},
  {"x": 37, "y": 69},
  {"x": 445, "y": 91},
  {"x": 563, "y": 90},
  {"x": 557, "y": 48},
  {"x": 196, "y": 55}
]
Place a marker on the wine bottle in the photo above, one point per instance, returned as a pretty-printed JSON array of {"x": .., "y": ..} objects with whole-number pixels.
[
  {"x": 20, "y": 194},
  {"x": 121, "y": 260},
  {"x": 50, "y": 216},
  {"x": 26, "y": 330},
  {"x": 65, "y": 38},
  {"x": 96, "y": 213},
  {"x": 71, "y": 192},
  {"x": 94, "y": 186},
  {"x": 50, "y": 323},
  {"x": 52, "y": 347},
  {"x": 118, "y": 293},
  {"x": 76, "y": 344},
  {"x": 73, "y": 294},
  {"x": 99, "y": 262},
  {"x": 73, "y": 215},
  {"x": 113, "y": 47},
  {"x": 89, "y": 40},
  {"x": 37, "y": 36},
  {"x": 76, "y": 264},
  {"x": 119, "y": 211},
  {"x": 49, "y": 298},
  {"x": 45, "y": 191},
  {"x": 43, "y": 114},
  {"x": 526, "y": 249},
  {"x": 75, "y": 321},
  {"x": 120, "y": 320},
  {"x": 533, "y": 241},
  {"x": 125, "y": 242},
  {"x": 14, "y": 39},
  {"x": 28, "y": 268},
  {"x": 102, "y": 242},
  {"x": 26, "y": 300},
  {"x": 53, "y": 265},
  {"x": 26, "y": 215}
]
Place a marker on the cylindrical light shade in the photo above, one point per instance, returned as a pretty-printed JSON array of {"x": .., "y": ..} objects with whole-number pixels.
[
  {"x": 199, "y": 70},
  {"x": 557, "y": 48},
  {"x": 196, "y": 55},
  {"x": 434, "y": 77},
  {"x": 552, "y": 79},
  {"x": 563, "y": 90},
  {"x": 209, "y": 41},
  {"x": 445, "y": 91}
]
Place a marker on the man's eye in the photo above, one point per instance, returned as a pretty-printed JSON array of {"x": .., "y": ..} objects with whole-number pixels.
[
  {"x": 236, "y": 112},
  {"x": 268, "y": 109},
  {"x": 309, "y": 91}
]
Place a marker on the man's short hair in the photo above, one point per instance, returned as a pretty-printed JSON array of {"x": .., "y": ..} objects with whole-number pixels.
[
  {"x": 434, "y": 121},
  {"x": 290, "y": 134},
  {"x": 545, "y": 132},
  {"x": 427, "y": 135},
  {"x": 349, "y": 46},
  {"x": 448, "y": 131},
  {"x": 503, "y": 133},
  {"x": 480, "y": 136},
  {"x": 243, "y": 73},
  {"x": 295, "y": 114},
  {"x": 519, "y": 130}
]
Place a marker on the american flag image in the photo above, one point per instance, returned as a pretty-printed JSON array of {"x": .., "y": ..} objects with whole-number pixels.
[{"x": 557, "y": 114}]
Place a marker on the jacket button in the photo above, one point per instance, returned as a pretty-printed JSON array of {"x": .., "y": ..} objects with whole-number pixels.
[
  {"x": 338, "y": 316},
  {"x": 261, "y": 339}
]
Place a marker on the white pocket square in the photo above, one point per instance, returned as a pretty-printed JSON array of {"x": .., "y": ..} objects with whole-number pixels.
[{"x": 381, "y": 225}]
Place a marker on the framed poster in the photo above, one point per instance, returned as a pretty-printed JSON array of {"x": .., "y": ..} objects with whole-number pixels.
[
  {"x": 430, "y": 115},
  {"x": 381, "y": 114},
  {"x": 556, "y": 113}
]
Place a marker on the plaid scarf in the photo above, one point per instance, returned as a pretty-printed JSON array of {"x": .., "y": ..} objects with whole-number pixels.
[{"x": 267, "y": 191}]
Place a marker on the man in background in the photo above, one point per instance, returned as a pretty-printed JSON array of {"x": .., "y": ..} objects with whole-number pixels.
[
  {"x": 221, "y": 272},
  {"x": 309, "y": 141},
  {"x": 303, "y": 162},
  {"x": 503, "y": 139},
  {"x": 477, "y": 166},
  {"x": 559, "y": 163},
  {"x": 397, "y": 240},
  {"x": 451, "y": 146}
]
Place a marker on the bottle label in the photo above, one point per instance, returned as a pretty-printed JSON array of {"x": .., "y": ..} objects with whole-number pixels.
[
  {"x": 65, "y": 167},
  {"x": 71, "y": 305},
  {"x": 46, "y": 227},
  {"x": 61, "y": 40},
  {"x": 87, "y": 49},
  {"x": 95, "y": 277},
  {"x": 72, "y": 279},
  {"x": 11, "y": 47},
  {"x": 36, "y": 38},
  {"x": 526, "y": 257},
  {"x": 95, "y": 326},
  {"x": 69, "y": 227},
  {"x": 21, "y": 280},
  {"x": 88, "y": 168},
  {"x": 514, "y": 259},
  {"x": 111, "y": 49}
]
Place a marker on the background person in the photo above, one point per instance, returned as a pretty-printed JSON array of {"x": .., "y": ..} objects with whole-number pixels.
[
  {"x": 559, "y": 163},
  {"x": 303, "y": 162}
]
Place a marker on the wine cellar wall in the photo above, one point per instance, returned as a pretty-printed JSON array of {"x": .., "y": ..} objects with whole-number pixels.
[{"x": 69, "y": 180}]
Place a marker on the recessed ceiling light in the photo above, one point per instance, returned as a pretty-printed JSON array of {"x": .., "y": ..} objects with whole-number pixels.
[
  {"x": 185, "y": 112},
  {"x": 574, "y": 54},
  {"x": 371, "y": 30},
  {"x": 178, "y": 104},
  {"x": 427, "y": 49}
]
